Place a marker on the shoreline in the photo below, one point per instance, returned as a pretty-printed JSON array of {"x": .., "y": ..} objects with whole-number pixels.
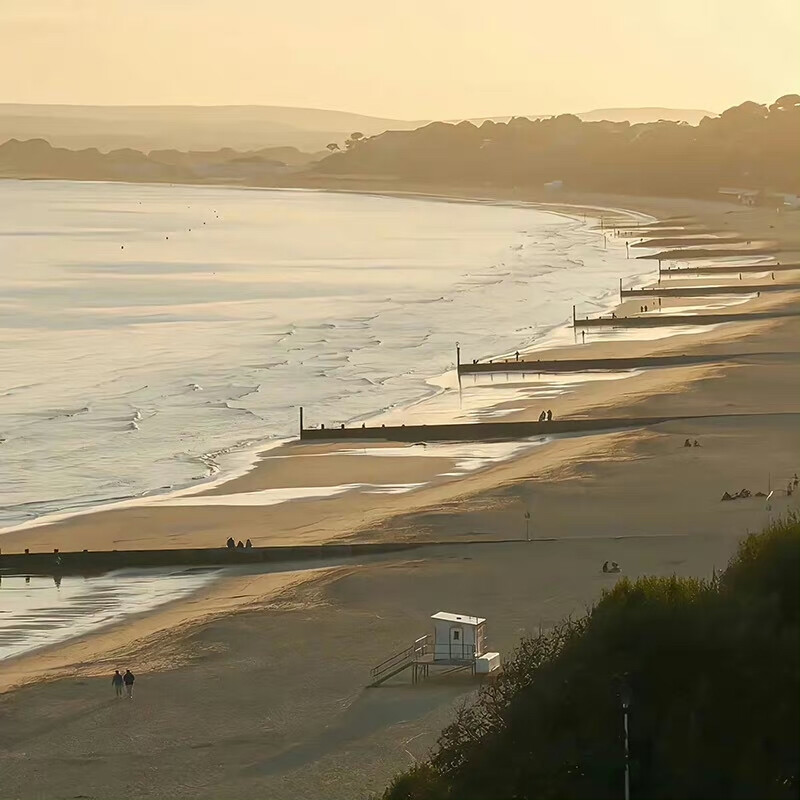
[
  {"x": 248, "y": 458},
  {"x": 552, "y": 460}
]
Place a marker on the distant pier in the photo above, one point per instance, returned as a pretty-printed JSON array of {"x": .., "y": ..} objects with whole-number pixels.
[
  {"x": 531, "y": 366},
  {"x": 656, "y": 319},
  {"x": 93, "y": 562},
  {"x": 709, "y": 291},
  {"x": 480, "y": 431},
  {"x": 727, "y": 268}
]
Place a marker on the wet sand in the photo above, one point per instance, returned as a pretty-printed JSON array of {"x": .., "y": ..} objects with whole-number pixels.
[{"x": 270, "y": 700}]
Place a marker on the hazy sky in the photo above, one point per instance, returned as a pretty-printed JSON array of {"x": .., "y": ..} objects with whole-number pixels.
[{"x": 410, "y": 59}]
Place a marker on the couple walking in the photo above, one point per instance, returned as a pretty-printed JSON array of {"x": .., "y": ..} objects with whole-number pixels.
[{"x": 127, "y": 679}]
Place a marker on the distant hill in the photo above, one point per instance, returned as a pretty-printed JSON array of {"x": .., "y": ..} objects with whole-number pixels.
[
  {"x": 36, "y": 158},
  {"x": 750, "y": 145},
  {"x": 638, "y": 115},
  {"x": 146, "y": 128},
  {"x": 632, "y": 115}
]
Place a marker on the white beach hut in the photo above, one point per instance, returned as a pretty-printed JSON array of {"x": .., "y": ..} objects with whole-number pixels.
[
  {"x": 458, "y": 643},
  {"x": 460, "y": 639},
  {"x": 457, "y": 637}
]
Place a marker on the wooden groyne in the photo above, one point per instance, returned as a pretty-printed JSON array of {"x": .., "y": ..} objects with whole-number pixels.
[
  {"x": 656, "y": 319},
  {"x": 96, "y": 562},
  {"x": 712, "y": 252},
  {"x": 533, "y": 367},
  {"x": 477, "y": 431},
  {"x": 709, "y": 291},
  {"x": 729, "y": 269}
]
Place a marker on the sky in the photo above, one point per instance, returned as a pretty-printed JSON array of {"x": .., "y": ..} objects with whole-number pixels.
[{"x": 404, "y": 59}]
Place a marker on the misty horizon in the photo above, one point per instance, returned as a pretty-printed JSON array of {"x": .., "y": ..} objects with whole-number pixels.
[{"x": 449, "y": 61}]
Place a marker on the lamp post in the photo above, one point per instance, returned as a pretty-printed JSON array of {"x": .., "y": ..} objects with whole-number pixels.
[{"x": 625, "y": 696}]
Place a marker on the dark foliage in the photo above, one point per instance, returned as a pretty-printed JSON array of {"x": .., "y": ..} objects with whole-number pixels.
[
  {"x": 748, "y": 146},
  {"x": 712, "y": 668}
]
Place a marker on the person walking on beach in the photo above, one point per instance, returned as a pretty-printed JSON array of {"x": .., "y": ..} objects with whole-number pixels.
[
  {"x": 116, "y": 682},
  {"x": 128, "y": 678},
  {"x": 549, "y": 415}
]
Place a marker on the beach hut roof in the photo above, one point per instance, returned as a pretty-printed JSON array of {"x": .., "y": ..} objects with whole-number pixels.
[{"x": 464, "y": 619}]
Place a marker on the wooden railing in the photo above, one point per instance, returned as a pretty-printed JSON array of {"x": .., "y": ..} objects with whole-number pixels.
[{"x": 398, "y": 660}]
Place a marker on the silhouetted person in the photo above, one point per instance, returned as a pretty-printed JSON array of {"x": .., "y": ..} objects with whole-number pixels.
[
  {"x": 230, "y": 542},
  {"x": 516, "y": 356},
  {"x": 795, "y": 481},
  {"x": 605, "y": 566},
  {"x": 687, "y": 443},
  {"x": 240, "y": 544},
  {"x": 128, "y": 678},
  {"x": 696, "y": 443},
  {"x": 248, "y": 543},
  {"x": 116, "y": 682},
  {"x": 583, "y": 337},
  {"x": 543, "y": 416},
  {"x": 549, "y": 415}
]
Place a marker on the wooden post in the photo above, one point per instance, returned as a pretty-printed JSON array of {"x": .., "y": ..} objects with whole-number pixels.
[
  {"x": 620, "y": 290},
  {"x": 458, "y": 355},
  {"x": 573, "y": 316},
  {"x": 301, "y": 422}
]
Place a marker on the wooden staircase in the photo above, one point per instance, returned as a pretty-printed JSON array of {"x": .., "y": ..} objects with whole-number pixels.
[{"x": 400, "y": 661}]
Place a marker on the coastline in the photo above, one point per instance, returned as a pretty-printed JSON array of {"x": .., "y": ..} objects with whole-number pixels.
[
  {"x": 311, "y": 729},
  {"x": 287, "y": 464},
  {"x": 236, "y": 461}
]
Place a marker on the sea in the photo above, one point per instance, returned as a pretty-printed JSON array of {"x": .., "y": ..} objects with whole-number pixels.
[{"x": 157, "y": 336}]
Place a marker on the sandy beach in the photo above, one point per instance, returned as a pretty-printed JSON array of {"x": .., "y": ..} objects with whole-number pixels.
[{"x": 255, "y": 686}]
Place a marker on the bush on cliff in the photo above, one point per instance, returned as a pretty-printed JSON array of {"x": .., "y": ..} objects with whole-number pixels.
[{"x": 712, "y": 668}]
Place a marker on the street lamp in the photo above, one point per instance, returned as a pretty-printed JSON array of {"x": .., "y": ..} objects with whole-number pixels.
[{"x": 625, "y": 696}]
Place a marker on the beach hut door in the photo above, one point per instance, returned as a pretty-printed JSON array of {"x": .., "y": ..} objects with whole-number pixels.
[{"x": 456, "y": 643}]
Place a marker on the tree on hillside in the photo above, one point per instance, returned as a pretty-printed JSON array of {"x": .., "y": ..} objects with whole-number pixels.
[
  {"x": 750, "y": 145},
  {"x": 354, "y": 139},
  {"x": 333, "y": 147}
]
